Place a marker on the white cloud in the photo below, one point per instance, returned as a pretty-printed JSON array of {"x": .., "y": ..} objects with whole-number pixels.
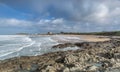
[
  {"x": 51, "y": 21},
  {"x": 98, "y": 13},
  {"x": 106, "y": 12},
  {"x": 58, "y": 24},
  {"x": 102, "y": 11},
  {"x": 14, "y": 22},
  {"x": 58, "y": 21},
  {"x": 55, "y": 25},
  {"x": 44, "y": 21}
]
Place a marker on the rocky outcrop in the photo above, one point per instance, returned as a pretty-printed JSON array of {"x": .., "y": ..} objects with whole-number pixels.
[
  {"x": 64, "y": 45},
  {"x": 86, "y": 60},
  {"x": 113, "y": 43}
]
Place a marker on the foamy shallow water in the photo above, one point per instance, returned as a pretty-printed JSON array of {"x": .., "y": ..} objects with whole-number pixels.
[{"x": 23, "y": 45}]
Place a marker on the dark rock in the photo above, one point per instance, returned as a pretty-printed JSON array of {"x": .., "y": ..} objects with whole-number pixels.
[
  {"x": 107, "y": 55},
  {"x": 105, "y": 44},
  {"x": 64, "y": 45},
  {"x": 106, "y": 64},
  {"x": 60, "y": 60}
]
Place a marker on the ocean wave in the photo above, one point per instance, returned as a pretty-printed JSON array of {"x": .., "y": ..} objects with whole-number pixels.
[
  {"x": 28, "y": 39},
  {"x": 10, "y": 52},
  {"x": 5, "y": 54},
  {"x": 30, "y": 46},
  {"x": 26, "y": 43},
  {"x": 26, "y": 46}
]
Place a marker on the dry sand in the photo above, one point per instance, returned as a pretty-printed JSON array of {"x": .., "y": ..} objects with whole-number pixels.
[{"x": 79, "y": 38}]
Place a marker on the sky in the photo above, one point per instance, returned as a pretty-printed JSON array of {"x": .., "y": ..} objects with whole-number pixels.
[{"x": 41, "y": 16}]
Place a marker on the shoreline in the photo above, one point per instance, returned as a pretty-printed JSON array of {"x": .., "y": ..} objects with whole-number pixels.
[{"x": 85, "y": 60}]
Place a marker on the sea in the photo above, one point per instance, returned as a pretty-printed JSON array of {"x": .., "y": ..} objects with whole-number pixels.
[{"x": 27, "y": 45}]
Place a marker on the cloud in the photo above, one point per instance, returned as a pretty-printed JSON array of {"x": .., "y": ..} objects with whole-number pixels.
[
  {"x": 14, "y": 22},
  {"x": 58, "y": 24},
  {"x": 58, "y": 21},
  {"x": 55, "y": 25},
  {"x": 68, "y": 9},
  {"x": 105, "y": 12},
  {"x": 51, "y": 24},
  {"x": 67, "y": 15}
]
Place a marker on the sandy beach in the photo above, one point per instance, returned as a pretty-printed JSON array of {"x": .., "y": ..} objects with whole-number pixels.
[{"x": 79, "y": 38}]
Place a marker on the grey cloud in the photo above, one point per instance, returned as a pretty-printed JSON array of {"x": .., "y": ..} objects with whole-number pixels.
[
  {"x": 69, "y": 9},
  {"x": 99, "y": 14}
]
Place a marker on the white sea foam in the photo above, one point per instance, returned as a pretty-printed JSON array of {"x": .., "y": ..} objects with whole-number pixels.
[
  {"x": 11, "y": 48},
  {"x": 7, "y": 53},
  {"x": 27, "y": 39},
  {"x": 25, "y": 46},
  {"x": 68, "y": 48},
  {"x": 15, "y": 45}
]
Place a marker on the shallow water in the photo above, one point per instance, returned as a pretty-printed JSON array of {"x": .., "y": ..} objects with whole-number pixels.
[{"x": 22, "y": 45}]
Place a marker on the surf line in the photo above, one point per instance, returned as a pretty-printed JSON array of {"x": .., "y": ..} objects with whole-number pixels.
[
  {"x": 25, "y": 46},
  {"x": 17, "y": 50}
]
